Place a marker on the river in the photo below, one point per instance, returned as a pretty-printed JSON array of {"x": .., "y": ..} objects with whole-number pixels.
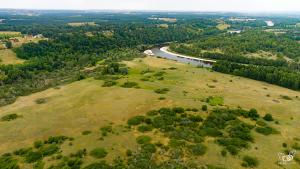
[{"x": 164, "y": 53}]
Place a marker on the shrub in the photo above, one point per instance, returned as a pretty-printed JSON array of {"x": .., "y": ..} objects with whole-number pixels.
[
  {"x": 215, "y": 101},
  {"x": 296, "y": 146},
  {"x": 109, "y": 83},
  {"x": 160, "y": 78},
  {"x": 152, "y": 113},
  {"x": 284, "y": 145},
  {"x": 73, "y": 163},
  {"x": 143, "y": 139},
  {"x": 161, "y": 73},
  {"x": 33, "y": 156},
  {"x": 39, "y": 165},
  {"x": 80, "y": 76},
  {"x": 145, "y": 79},
  {"x": 86, "y": 132},
  {"x": 286, "y": 97},
  {"x": 148, "y": 121},
  {"x": 56, "y": 140},
  {"x": 8, "y": 44},
  {"x": 149, "y": 148},
  {"x": 8, "y": 162},
  {"x": 105, "y": 130},
  {"x": 162, "y": 91},
  {"x": 48, "y": 150},
  {"x": 145, "y": 128},
  {"x": 22, "y": 151},
  {"x": 241, "y": 131},
  {"x": 204, "y": 108},
  {"x": 266, "y": 130},
  {"x": 250, "y": 162},
  {"x": 233, "y": 145},
  {"x": 98, "y": 153},
  {"x": 196, "y": 118},
  {"x": 98, "y": 165},
  {"x": 41, "y": 101},
  {"x": 176, "y": 143},
  {"x": 128, "y": 153},
  {"x": 38, "y": 144},
  {"x": 198, "y": 149},
  {"x": 9, "y": 117},
  {"x": 232, "y": 149},
  {"x": 213, "y": 132},
  {"x": 253, "y": 114},
  {"x": 136, "y": 120},
  {"x": 268, "y": 117},
  {"x": 129, "y": 85},
  {"x": 224, "y": 153},
  {"x": 178, "y": 110},
  {"x": 261, "y": 123},
  {"x": 79, "y": 153}
]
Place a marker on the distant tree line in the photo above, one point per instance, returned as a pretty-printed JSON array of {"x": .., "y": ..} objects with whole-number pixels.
[{"x": 274, "y": 75}]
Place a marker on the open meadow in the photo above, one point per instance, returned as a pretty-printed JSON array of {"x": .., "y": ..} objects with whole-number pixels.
[
  {"x": 7, "y": 56},
  {"x": 85, "y": 106}
]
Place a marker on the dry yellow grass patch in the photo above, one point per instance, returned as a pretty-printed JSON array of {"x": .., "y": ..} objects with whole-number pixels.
[
  {"x": 223, "y": 26},
  {"x": 7, "y": 56},
  {"x": 163, "y": 26}
]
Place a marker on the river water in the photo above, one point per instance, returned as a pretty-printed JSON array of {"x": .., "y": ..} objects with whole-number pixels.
[{"x": 179, "y": 58}]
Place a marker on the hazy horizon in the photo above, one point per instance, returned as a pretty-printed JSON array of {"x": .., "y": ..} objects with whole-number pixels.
[{"x": 156, "y": 5}]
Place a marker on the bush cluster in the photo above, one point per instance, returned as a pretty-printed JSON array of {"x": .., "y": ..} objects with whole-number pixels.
[
  {"x": 98, "y": 153},
  {"x": 9, "y": 117}
]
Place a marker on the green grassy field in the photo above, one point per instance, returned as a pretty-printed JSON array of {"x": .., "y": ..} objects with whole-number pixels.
[{"x": 86, "y": 105}]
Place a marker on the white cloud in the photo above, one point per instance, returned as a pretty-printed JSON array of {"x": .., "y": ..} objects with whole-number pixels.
[{"x": 198, "y": 5}]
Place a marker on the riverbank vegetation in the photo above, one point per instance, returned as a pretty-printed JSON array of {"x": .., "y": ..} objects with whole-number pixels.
[{"x": 232, "y": 53}]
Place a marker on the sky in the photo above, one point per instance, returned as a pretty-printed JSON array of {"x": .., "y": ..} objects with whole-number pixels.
[{"x": 172, "y": 5}]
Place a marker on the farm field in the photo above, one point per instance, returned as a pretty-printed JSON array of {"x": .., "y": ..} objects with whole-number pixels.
[{"x": 85, "y": 105}]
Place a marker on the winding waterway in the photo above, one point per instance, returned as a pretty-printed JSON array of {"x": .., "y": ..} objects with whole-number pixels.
[{"x": 164, "y": 53}]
